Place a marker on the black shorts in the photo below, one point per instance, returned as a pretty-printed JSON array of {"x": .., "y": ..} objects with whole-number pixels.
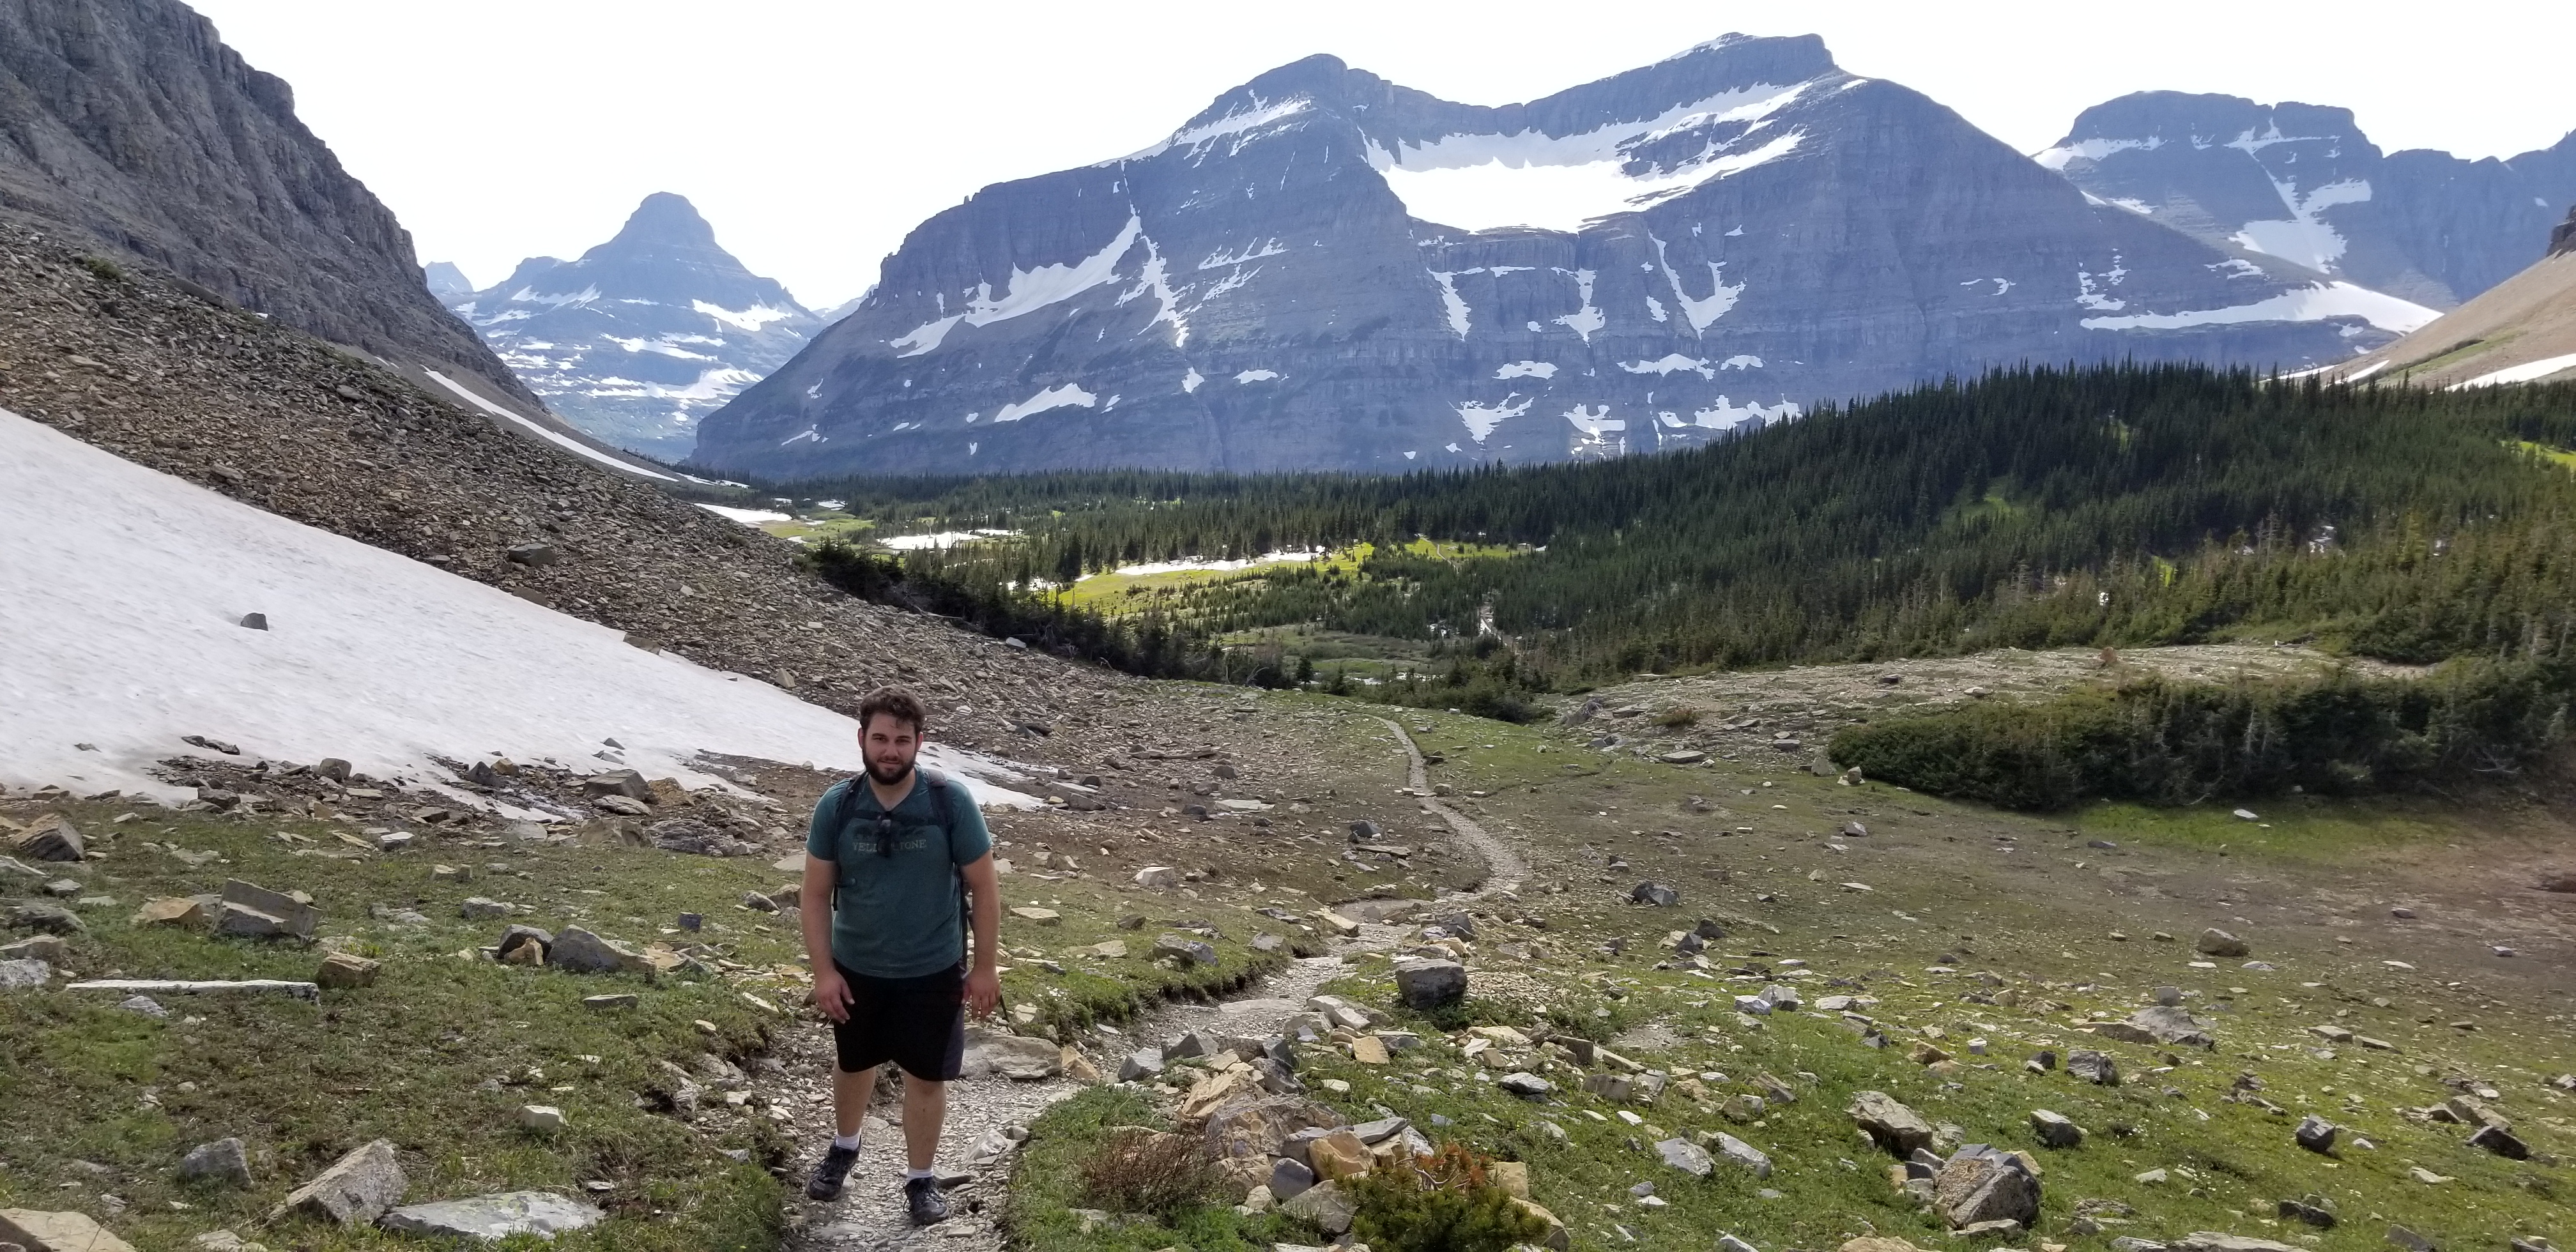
[{"x": 917, "y": 1023}]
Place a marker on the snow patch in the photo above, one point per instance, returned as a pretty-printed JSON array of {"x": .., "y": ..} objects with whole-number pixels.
[
  {"x": 2304, "y": 237},
  {"x": 2313, "y": 302},
  {"x": 1482, "y": 418},
  {"x": 1190, "y": 381},
  {"x": 1587, "y": 319},
  {"x": 121, "y": 635},
  {"x": 1056, "y": 397},
  {"x": 1594, "y": 424},
  {"x": 1223, "y": 567},
  {"x": 941, "y": 539},
  {"x": 1726, "y": 416},
  {"x": 750, "y": 319},
  {"x": 748, "y": 517},
  {"x": 1699, "y": 313},
  {"x": 1670, "y": 364},
  {"x": 1527, "y": 369},
  {"x": 1449, "y": 299},
  {"x": 1256, "y": 376},
  {"x": 1027, "y": 292},
  {"x": 2059, "y": 157},
  {"x": 2528, "y": 372}
]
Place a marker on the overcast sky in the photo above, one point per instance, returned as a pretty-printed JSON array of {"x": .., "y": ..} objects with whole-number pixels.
[{"x": 814, "y": 135}]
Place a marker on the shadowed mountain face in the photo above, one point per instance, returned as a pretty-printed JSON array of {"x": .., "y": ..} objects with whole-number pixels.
[
  {"x": 645, "y": 334},
  {"x": 2302, "y": 183},
  {"x": 1327, "y": 270},
  {"x": 129, "y": 121}
]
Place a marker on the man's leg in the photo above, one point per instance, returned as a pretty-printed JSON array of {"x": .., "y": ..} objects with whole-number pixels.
[
  {"x": 925, "y": 1107},
  {"x": 850, "y": 1096}
]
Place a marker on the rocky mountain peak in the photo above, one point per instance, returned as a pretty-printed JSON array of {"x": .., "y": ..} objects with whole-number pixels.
[
  {"x": 641, "y": 335},
  {"x": 2562, "y": 237}
]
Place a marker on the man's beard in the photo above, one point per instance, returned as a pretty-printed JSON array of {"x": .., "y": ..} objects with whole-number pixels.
[{"x": 885, "y": 777}]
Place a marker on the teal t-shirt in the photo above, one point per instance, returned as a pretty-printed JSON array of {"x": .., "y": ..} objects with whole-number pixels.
[{"x": 898, "y": 916}]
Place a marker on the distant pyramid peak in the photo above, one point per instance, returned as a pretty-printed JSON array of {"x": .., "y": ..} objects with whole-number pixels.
[{"x": 667, "y": 217}]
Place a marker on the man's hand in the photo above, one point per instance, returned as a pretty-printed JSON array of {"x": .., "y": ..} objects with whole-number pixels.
[
  {"x": 832, "y": 993},
  {"x": 983, "y": 990}
]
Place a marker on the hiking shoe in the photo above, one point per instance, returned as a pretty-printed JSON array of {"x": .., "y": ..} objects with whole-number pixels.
[
  {"x": 828, "y": 1173},
  {"x": 928, "y": 1206}
]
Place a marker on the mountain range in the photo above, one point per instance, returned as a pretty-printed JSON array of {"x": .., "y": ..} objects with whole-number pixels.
[
  {"x": 642, "y": 335},
  {"x": 2303, "y": 183},
  {"x": 1326, "y": 270}
]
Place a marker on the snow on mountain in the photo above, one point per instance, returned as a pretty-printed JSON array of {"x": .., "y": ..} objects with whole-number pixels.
[
  {"x": 643, "y": 335},
  {"x": 1326, "y": 270},
  {"x": 2301, "y": 182},
  {"x": 123, "y": 632}
]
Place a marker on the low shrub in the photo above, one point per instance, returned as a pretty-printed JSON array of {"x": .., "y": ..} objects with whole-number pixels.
[
  {"x": 1144, "y": 1171},
  {"x": 2160, "y": 742},
  {"x": 1438, "y": 1203}
]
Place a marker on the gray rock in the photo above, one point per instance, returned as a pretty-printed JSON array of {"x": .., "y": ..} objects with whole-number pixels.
[
  {"x": 224, "y": 1162},
  {"x": 1526, "y": 1085},
  {"x": 356, "y": 1190},
  {"x": 1185, "y": 951},
  {"x": 1016, "y": 1057},
  {"x": 2093, "y": 1067},
  {"x": 515, "y": 937},
  {"x": 2170, "y": 1024},
  {"x": 1141, "y": 1063},
  {"x": 1686, "y": 1156},
  {"x": 2497, "y": 1139},
  {"x": 1430, "y": 984},
  {"x": 1290, "y": 1179},
  {"x": 2311, "y": 1211},
  {"x": 582, "y": 952},
  {"x": 1980, "y": 1184},
  {"x": 1898, "y": 1129},
  {"x": 2315, "y": 1133},
  {"x": 22, "y": 974},
  {"x": 2216, "y": 942},
  {"x": 51, "y": 919},
  {"x": 2217, "y": 1241},
  {"x": 492, "y": 1218},
  {"x": 2414, "y": 1242},
  {"x": 1324, "y": 1205},
  {"x": 2055, "y": 1130},
  {"x": 52, "y": 837},
  {"x": 252, "y": 911},
  {"x": 1654, "y": 893},
  {"x": 1737, "y": 1152},
  {"x": 145, "y": 1005}
]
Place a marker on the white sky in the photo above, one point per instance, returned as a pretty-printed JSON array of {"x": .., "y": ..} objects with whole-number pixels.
[{"x": 815, "y": 134}]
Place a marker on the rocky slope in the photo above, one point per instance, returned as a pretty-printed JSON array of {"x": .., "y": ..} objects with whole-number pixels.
[
  {"x": 130, "y": 121},
  {"x": 2522, "y": 330},
  {"x": 644, "y": 334},
  {"x": 2303, "y": 183},
  {"x": 270, "y": 416},
  {"x": 1328, "y": 270}
]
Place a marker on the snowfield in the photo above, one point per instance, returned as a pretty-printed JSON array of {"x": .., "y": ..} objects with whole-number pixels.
[{"x": 126, "y": 587}]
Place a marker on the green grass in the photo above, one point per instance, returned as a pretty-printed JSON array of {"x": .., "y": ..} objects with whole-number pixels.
[
  {"x": 408, "y": 1059},
  {"x": 1046, "y": 1188},
  {"x": 2309, "y": 829}
]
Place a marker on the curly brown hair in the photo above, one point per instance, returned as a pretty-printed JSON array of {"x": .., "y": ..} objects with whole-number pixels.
[{"x": 896, "y": 702}]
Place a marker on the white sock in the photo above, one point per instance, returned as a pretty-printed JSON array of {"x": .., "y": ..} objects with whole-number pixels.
[
  {"x": 845, "y": 1141},
  {"x": 911, "y": 1175}
]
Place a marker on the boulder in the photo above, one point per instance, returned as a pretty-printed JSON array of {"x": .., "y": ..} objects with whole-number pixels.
[
  {"x": 1737, "y": 1152},
  {"x": 21, "y": 974},
  {"x": 1324, "y": 1206},
  {"x": 617, "y": 782},
  {"x": 2216, "y": 942},
  {"x": 1184, "y": 951},
  {"x": 1289, "y": 1179},
  {"x": 1016, "y": 1057},
  {"x": 1158, "y": 876},
  {"x": 1898, "y": 1129},
  {"x": 1430, "y": 984},
  {"x": 52, "y": 837},
  {"x": 356, "y": 1190},
  {"x": 491, "y": 1218},
  {"x": 255, "y": 912},
  {"x": 2171, "y": 1024},
  {"x": 343, "y": 971},
  {"x": 2500, "y": 1141},
  {"x": 2093, "y": 1067},
  {"x": 1141, "y": 1063},
  {"x": 223, "y": 1162},
  {"x": 1339, "y": 1154},
  {"x": 40, "y": 1231},
  {"x": 544, "y": 1119},
  {"x": 1980, "y": 1184},
  {"x": 51, "y": 919},
  {"x": 1260, "y": 1126},
  {"x": 582, "y": 952},
  {"x": 1526, "y": 1085},
  {"x": 2055, "y": 1130},
  {"x": 1654, "y": 893},
  {"x": 2315, "y": 1133},
  {"x": 1686, "y": 1156}
]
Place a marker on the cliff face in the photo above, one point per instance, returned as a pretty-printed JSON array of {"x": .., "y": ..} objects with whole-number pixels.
[
  {"x": 1326, "y": 270},
  {"x": 130, "y": 121}
]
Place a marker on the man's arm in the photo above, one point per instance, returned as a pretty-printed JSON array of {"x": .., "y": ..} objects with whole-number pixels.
[
  {"x": 984, "y": 981},
  {"x": 815, "y": 901}
]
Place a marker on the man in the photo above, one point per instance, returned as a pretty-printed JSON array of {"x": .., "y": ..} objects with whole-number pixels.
[{"x": 885, "y": 858}]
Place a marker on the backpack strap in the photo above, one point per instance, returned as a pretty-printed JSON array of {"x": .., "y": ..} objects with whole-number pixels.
[{"x": 940, "y": 801}]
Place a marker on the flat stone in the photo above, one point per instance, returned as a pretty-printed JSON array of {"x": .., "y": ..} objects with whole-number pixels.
[
  {"x": 342, "y": 971},
  {"x": 1686, "y": 1156},
  {"x": 1038, "y": 916},
  {"x": 581, "y": 951},
  {"x": 542, "y": 1118},
  {"x": 40, "y": 1231},
  {"x": 52, "y": 919},
  {"x": 254, "y": 907},
  {"x": 183, "y": 986},
  {"x": 171, "y": 911},
  {"x": 356, "y": 1190},
  {"x": 1019, "y": 1058},
  {"x": 495, "y": 1217},
  {"x": 2216, "y": 1241},
  {"x": 1526, "y": 1085},
  {"x": 223, "y": 1162},
  {"x": 1737, "y": 1152},
  {"x": 1898, "y": 1129}
]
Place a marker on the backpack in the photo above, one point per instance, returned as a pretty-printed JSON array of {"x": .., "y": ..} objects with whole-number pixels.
[{"x": 837, "y": 818}]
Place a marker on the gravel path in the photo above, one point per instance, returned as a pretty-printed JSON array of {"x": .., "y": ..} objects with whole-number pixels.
[{"x": 870, "y": 1215}]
